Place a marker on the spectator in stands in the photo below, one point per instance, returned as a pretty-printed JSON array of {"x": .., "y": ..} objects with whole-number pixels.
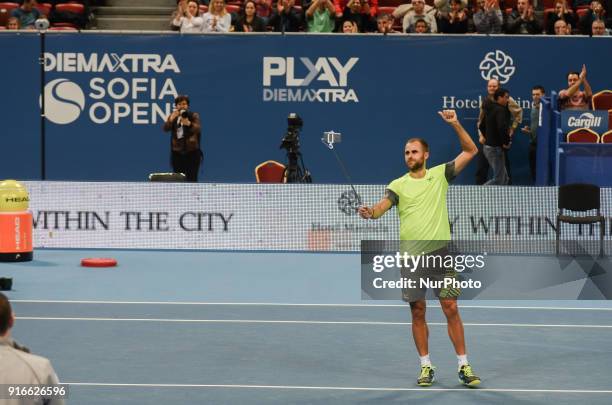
[
  {"x": 488, "y": 19},
  {"x": 596, "y": 12},
  {"x": 442, "y": 13},
  {"x": 187, "y": 17},
  {"x": 384, "y": 24},
  {"x": 248, "y": 20},
  {"x": 349, "y": 27},
  {"x": 286, "y": 18},
  {"x": 532, "y": 130},
  {"x": 27, "y": 13},
  {"x": 18, "y": 366},
  {"x": 573, "y": 98},
  {"x": 415, "y": 11},
  {"x": 597, "y": 28},
  {"x": 516, "y": 114},
  {"x": 562, "y": 28},
  {"x": 217, "y": 19},
  {"x": 421, "y": 27},
  {"x": 320, "y": 16},
  {"x": 456, "y": 20},
  {"x": 522, "y": 20},
  {"x": 359, "y": 12},
  {"x": 496, "y": 132},
  {"x": 13, "y": 23},
  {"x": 264, "y": 9},
  {"x": 561, "y": 13},
  {"x": 370, "y": 6}
]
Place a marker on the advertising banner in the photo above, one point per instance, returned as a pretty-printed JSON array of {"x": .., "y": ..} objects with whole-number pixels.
[
  {"x": 107, "y": 96},
  {"x": 289, "y": 217}
]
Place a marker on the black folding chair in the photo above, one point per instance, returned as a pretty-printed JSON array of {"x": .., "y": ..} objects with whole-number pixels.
[{"x": 580, "y": 197}]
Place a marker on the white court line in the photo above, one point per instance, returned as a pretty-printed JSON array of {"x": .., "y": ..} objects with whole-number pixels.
[
  {"x": 300, "y": 387},
  {"x": 522, "y": 325},
  {"x": 280, "y": 304}
]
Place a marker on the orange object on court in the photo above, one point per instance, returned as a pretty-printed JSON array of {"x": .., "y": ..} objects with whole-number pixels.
[
  {"x": 98, "y": 262},
  {"x": 15, "y": 223}
]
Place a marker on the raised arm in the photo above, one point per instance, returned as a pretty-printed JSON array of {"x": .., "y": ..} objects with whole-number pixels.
[
  {"x": 576, "y": 86},
  {"x": 587, "y": 87},
  {"x": 468, "y": 147}
]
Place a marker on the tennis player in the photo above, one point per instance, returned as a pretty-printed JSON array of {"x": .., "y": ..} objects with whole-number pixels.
[{"x": 420, "y": 197}]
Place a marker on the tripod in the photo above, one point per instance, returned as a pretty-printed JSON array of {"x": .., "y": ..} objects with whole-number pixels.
[{"x": 296, "y": 172}]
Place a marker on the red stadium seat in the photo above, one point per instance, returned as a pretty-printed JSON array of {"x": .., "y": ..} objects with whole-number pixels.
[
  {"x": 551, "y": 4},
  {"x": 270, "y": 172},
  {"x": 390, "y": 3},
  {"x": 602, "y": 100},
  {"x": 582, "y": 135},
  {"x": 63, "y": 29},
  {"x": 581, "y": 12},
  {"x": 8, "y": 6},
  {"x": 232, "y": 8},
  {"x": 64, "y": 25},
  {"x": 44, "y": 8},
  {"x": 606, "y": 137},
  {"x": 76, "y": 8},
  {"x": 508, "y": 4},
  {"x": 386, "y": 10}
]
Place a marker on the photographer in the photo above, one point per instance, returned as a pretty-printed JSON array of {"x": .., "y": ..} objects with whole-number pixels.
[{"x": 185, "y": 128}]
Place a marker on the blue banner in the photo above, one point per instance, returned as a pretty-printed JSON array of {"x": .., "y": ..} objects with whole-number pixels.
[
  {"x": 108, "y": 94},
  {"x": 595, "y": 120}
]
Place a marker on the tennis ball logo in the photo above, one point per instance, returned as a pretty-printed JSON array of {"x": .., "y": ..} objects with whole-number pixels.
[
  {"x": 64, "y": 101},
  {"x": 497, "y": 65}
]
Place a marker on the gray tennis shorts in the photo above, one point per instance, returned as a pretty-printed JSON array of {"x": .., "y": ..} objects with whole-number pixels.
[{"x": 431, "y": 272}]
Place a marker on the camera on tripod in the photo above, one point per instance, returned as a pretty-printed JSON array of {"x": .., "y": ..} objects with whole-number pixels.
[
  {"x": 295, "y": 172},
  {"x": 291, "y": 140}
]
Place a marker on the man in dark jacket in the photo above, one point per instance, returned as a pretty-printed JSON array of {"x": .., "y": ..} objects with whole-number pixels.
[
  {"x": 286, "y": 18},
  {"x": 495, "y": 128},
  {"x": 522, "y": 20}
]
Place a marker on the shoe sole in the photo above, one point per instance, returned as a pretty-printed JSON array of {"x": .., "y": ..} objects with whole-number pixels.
[
  {"x": 426, "y": 384},
  {"x": 471, "y": 384}
]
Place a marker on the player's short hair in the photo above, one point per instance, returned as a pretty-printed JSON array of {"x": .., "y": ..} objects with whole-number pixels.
[
  {"x": 538, "y": 87},
  {"x": 573, "y": 73},
  {"x": 422, "y": 141},
  {"x": 5, "y": 314}
]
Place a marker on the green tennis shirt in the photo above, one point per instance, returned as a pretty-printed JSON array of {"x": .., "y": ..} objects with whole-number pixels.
[{"x": 421, "y": 206}]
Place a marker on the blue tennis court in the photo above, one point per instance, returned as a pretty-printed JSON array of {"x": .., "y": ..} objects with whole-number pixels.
[{"x": 220, "y": 327}]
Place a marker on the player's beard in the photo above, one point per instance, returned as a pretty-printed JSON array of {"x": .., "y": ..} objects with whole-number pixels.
[{"x": 416, "y": 165}]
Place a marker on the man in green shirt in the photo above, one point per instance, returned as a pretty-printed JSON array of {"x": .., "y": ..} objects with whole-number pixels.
[
  {"x": 320, "y": 16},
  {"x": 420, "y": 197}
]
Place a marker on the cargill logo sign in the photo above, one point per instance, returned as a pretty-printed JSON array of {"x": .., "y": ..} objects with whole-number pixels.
[{"x": 595, "y": 120}]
